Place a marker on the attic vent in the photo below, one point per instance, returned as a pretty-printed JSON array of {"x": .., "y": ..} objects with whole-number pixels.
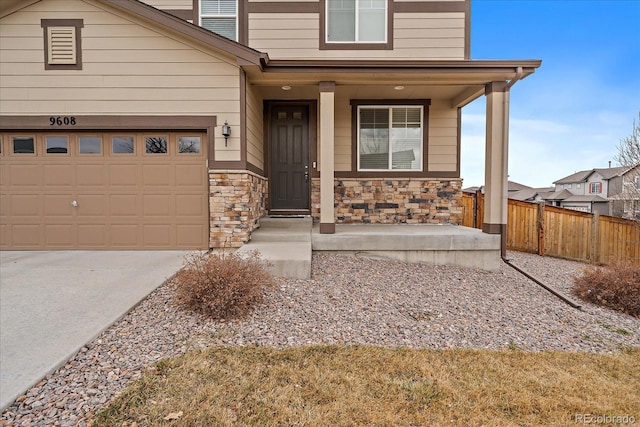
[{"x": 62, "y": 45}]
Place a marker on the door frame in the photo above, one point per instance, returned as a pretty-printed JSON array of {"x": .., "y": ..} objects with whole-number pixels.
[{"x": 312, "y": 106}]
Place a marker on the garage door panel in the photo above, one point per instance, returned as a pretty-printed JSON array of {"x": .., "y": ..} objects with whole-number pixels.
[
  {"x": 58, "y": 205},
  {"x": 92, "y": 236},
  {"x": 157, "y": 235},
  {"x": 5, "y": 208},
  {"x": 59, "y": 235},
  {"x": 91, "y": 205},
  {"x": 189, "y": 236},
  {"x": 157, "y": 205},
  {"x": 25, "y": 205},
  {"x": 191, "y": 205},
  {"x": 24, "y": 236},
  {"x": 91, "y": 175},
  {"x": 156, "y": 175},
  {"x": 123, "y": 205},
  {"x": 58, "y": 175},
  {"x": 5, "y": 175},
  {"x": 123, "y": 175},
  {"x": 190, "y": 175},
  {"x": 124, "y": 236},
  {"x": 25, "y": 175},
  {"x": 5, "y": 236}
]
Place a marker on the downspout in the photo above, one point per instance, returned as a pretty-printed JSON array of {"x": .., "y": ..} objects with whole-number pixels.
[{"x": 503, "y": 230}]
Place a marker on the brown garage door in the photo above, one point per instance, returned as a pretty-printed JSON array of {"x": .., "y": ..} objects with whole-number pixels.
[{"x": 123, "y": 190}]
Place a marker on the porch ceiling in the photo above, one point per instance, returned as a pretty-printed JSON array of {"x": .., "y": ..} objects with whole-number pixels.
[{"x": 459, "y": 81}]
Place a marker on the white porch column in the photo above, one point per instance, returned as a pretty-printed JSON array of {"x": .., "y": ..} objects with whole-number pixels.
[
  {"x": 496, "y": 160},
  {"x": 327, "y": 126}
]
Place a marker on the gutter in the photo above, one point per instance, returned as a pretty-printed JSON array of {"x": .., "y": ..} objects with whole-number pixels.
[{"x": 503, "y": 231}]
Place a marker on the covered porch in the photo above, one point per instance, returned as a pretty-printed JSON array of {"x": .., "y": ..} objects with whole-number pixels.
[{"x": 287, "y": 244}]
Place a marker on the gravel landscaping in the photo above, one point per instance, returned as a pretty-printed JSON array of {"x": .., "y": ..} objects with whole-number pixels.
[{"x": 349, "y": 300}]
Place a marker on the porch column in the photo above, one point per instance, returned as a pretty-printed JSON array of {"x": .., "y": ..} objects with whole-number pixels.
[
  {"x": 496, "y": 160},
  {"x": 327, "y": 125}
]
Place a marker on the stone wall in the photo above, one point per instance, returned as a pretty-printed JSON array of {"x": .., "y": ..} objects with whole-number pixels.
[
  {"x": 237, "y": 200},
  {"x": 394, "y": 201}
]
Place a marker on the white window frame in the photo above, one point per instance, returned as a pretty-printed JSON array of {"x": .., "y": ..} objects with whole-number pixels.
[
  {"x": 357, "y": 26},
  {"x": 390, "y": 109},
  {"x": 597, "y": 185},
  {"x": 202, "y": 15}
]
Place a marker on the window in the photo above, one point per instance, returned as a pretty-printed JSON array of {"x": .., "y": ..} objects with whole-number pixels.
[
  {"x": 638, "y": 182},
  {"x": 595, "y": 187},
  {"x": 356, "y": 21},
  {"x": 189, "y": 144},
  {"x": 578, "y": 185},
  {"x": 156, "y": 144},
  {"x": 122, "y": 145},
  {"x": 220, "y": 16},
  {"x": 56, "y": 144},
  {"x": 62, "y": 44},
  {"x": 390, "y": 137},
  {"x": 23, "y": 145},
  {"x": 90, "y": 145}
]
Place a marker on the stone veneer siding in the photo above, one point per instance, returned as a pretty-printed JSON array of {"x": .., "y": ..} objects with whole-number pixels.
[
  {"x": 394, "y": 201},
  {"x": 237, "y": 200}
]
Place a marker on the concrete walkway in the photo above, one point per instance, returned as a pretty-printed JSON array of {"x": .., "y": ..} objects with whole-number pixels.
[{"x": 53, "y": 303}]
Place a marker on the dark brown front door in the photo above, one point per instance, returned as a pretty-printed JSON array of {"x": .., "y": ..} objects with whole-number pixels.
[{"x": 289, "y": 180}]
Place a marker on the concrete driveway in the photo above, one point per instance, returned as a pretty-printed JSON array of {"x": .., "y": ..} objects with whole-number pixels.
[{"x": 53, "y": 303}]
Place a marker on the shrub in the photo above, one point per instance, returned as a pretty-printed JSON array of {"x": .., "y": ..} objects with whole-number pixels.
[
  {"x": 616, "y": 286},
  {"x": 222, "y": 285}
]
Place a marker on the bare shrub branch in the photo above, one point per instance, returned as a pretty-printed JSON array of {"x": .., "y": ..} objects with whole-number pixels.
[{"x": 223, "y": 285}]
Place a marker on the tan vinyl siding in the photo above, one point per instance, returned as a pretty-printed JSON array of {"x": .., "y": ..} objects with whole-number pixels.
[
  {"x": 170, "y": 4},
  {"x": 416, "y": 35},
  {"x": 255, "y": 141},
  {"x": 443, "y": 137},
  {"x": 129, "y": 68},
  {"x": 342, "y": 132}
]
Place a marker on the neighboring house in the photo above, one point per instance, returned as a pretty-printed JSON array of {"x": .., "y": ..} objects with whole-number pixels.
[
  {"x": 179, "y": 124},
  {"x": 609, "y": 191},
  {"x": 517, "y": 191}
]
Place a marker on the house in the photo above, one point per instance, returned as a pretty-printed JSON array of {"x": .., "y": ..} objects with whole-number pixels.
[
  {"x": 609, "y": 191},
  {"x": 179, "y": 124}
]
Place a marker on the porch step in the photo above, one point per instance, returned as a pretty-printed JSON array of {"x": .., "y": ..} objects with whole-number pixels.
[{"x": 285, "y": 244}]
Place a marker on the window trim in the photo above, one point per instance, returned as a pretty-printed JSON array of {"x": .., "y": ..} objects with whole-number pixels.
[
  {"x": 591, "y": 187},
  {"x": 403, "y": 173},
  {"x": 49, "y": 23},
  {"x": 327, "y": 45},
  {"x": 236, "y": 16}
]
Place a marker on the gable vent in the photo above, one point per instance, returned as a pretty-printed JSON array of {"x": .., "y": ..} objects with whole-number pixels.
[{"x": 62, "y": 45}]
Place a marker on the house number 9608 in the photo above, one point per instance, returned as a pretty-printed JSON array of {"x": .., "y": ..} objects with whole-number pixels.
[{"x": 62, "y": 120}]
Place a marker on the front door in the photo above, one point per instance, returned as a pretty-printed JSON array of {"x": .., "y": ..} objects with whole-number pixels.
[{"x": 289, "y": 175}]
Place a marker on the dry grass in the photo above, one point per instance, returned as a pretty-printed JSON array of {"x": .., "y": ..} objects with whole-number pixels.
[
  {"x": 375, "y": 386},
  {"x": 616, "y": 286}
]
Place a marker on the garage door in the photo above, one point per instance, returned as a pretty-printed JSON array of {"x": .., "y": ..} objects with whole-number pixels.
[{"x": 125, "y": 190}]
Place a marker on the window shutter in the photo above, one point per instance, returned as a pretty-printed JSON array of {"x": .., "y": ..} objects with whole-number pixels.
[{"x": 62, "y": 45}]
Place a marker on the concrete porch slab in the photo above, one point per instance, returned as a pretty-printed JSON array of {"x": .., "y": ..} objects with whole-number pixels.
[{"x": 433, "y": 244}]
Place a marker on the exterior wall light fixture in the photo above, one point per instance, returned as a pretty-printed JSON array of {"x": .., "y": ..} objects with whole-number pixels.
[{"x": 226, "y": 132}]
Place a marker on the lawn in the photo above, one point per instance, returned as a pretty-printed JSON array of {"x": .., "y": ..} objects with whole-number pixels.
[{"x": 377, "y": 386}]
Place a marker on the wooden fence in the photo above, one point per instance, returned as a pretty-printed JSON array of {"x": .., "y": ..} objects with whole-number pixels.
[{"x": 562, "y": 233}]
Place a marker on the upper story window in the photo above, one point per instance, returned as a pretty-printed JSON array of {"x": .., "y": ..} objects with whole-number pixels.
[
  {"x": 356, "y": 21},
  {"x": 595, "y": 187},
  {"x": 390, "y": 137},
  {"x": 220, "y": 16}
]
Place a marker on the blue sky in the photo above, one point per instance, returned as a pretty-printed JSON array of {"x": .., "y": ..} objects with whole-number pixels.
[{"x": 571, "y": 114}]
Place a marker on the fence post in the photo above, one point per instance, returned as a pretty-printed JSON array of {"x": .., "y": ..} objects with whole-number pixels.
[
  {"x": 479, "y": 211},
  {"x": 595, "y": 237},
  {"x": 540, "y": 225}
]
